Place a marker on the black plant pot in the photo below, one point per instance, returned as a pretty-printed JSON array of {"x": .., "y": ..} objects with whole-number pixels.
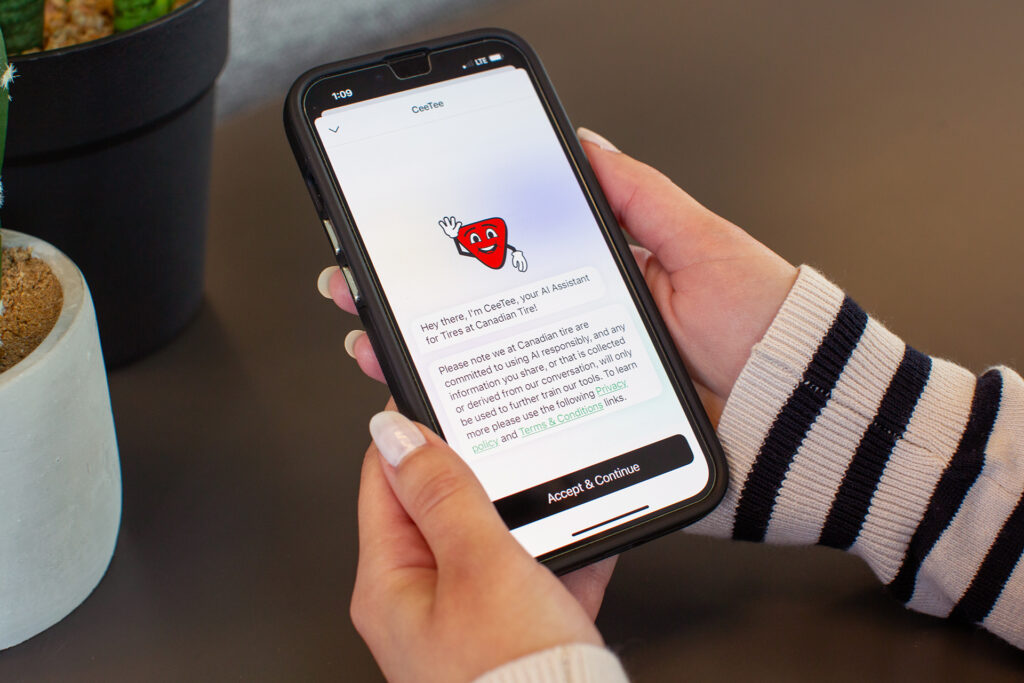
[{"x": 108, "y": 158}]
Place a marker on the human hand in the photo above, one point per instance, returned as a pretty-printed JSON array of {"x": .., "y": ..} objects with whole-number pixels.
[
  {"x": 450, "y": 226},
  {"x": 443, "y": 592},
  {"x": 717, "y": 288}
]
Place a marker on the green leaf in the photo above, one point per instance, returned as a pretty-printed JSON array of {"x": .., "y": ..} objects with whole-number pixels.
[
  {"x": 131, "y": 13},
  {"x": 22, "y": 24}
]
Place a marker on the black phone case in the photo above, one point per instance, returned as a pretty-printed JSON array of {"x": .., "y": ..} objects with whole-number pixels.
[{"x": 383, "y": 333}]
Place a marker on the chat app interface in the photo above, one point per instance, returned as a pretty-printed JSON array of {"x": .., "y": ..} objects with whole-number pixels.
[{"x": 520, "y": 326}]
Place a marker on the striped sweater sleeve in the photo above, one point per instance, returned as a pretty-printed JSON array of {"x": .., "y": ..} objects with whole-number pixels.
[
  {"x": 839, "y": 434},
  {"x": 575, "y": 663}
]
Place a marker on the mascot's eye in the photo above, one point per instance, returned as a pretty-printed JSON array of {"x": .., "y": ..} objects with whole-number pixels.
[
  {"x": 474, "y": 238},
  {"x": 491, "y": 233}
]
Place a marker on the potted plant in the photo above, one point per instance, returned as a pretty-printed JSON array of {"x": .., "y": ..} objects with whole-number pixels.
[
  {"x": 109, "y": 159},
  {"x": 60, "y": 483}
]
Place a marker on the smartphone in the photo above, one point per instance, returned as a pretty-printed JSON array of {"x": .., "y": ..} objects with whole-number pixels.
[{"x": 500, "y": 295}]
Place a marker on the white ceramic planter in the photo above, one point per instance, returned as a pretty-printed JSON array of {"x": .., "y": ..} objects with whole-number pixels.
[{"x": 60, "y": 478}]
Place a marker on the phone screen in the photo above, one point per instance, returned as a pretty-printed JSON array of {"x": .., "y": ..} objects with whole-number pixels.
[{"x": 516, "y": 314}]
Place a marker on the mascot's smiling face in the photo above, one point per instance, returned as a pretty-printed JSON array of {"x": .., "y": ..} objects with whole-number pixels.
[{"x": 486, "y": 240}]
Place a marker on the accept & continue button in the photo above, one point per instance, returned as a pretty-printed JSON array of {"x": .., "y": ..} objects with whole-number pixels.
[{"x": 590, "y": 483}]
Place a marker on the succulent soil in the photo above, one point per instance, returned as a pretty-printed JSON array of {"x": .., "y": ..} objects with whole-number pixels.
[
  {"x": 70, "y": 22},
  {"x": 32, "y": 300}
]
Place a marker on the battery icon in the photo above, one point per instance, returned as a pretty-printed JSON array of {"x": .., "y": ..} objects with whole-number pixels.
[{"x": 496, "y": 57}]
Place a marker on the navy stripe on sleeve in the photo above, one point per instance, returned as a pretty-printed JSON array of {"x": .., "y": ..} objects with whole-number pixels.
[
  {"x": 853, "y": 499},
  {"x": 761, "y": 488},
  {"x": 1000, "y": 561},
  {"x": 954, "y": 484}
]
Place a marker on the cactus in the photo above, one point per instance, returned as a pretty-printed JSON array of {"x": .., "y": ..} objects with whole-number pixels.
[
  {"x": 131, "y": 13},
  {"x": 22, "y": 24},
  {"x": 6, "y": 76}
]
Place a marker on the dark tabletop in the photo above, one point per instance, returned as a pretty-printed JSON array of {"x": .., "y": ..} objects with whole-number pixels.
[{"x": 881, "y": 143}]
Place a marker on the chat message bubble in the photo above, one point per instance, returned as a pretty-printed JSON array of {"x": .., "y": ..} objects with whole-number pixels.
[
  {"x": 555, "y": 375},
  {"x": 508, "y": 309}
]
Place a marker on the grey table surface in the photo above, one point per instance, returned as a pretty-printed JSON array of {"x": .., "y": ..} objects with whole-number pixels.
[{"x": 880, "y": 141}]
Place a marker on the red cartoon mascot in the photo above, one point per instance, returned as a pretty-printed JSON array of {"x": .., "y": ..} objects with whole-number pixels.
[{"x": 486, "y": 241}]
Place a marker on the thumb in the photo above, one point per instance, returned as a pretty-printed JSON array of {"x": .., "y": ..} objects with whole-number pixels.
[
  {"x": 655, "y": 211},
  {"x": 439, "y": 492}
]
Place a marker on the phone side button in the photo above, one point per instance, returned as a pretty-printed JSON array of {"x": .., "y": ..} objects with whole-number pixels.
[
  {"x": 332, "y": 236},
  {"x": 353, "y": 288}
]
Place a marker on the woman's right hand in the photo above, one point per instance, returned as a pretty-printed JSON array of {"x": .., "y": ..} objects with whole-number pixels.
[
  {"x": 717, "y": 288},
  {"x": 443, "y": 591}
]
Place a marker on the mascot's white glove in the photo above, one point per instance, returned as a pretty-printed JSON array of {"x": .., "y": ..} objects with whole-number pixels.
[
  {"x": 450, "y": 226},
  {"x": 519, "y": 261}
]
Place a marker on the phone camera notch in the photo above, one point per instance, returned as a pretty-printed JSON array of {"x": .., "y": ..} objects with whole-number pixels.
[{"x": 410, "y": 65}]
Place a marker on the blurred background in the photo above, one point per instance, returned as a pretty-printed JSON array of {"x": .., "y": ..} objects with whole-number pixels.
[{"x": 881, "y": 142}]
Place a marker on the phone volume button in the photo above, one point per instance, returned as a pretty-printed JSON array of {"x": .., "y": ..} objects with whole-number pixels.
[
  {"x": 332, "y": 236},
  {"x": 353, "y": 288}
]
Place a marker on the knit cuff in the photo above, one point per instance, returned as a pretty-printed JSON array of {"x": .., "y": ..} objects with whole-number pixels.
[
  {"x": 771, "y": 374},
  {"x": 836, "y": 431},
  {"x": 577, "y": 663}
]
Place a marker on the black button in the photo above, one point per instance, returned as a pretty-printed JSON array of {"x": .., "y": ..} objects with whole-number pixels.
[{"x": 606, "y": 477}]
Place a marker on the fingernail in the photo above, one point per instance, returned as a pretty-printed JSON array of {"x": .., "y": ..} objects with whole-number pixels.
[
  {"x": 324, "y": 280},
  {"x": 587, "y": 135},
  {"x": 395, "y": 435},
  {"x": 350, "y": 341}
]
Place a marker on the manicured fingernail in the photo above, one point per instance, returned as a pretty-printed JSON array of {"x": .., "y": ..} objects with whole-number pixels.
[
  {"x": 587, "y": 135},
  {"x": 324, "y": 280},
  {"x": 395, "y": 435},
  {"x": 350, "y": 341}
]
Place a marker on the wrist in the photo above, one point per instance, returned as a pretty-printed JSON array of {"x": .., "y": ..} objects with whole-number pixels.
[{"x": 757, "y": 305}]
